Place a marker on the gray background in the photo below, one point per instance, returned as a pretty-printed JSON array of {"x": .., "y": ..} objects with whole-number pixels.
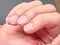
[{"x": 7, "y": 5}]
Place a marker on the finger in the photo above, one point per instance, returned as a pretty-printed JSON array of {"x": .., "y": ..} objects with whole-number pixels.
[
  {"x": 10, "y": 29},
  {"x": 43, "y": 20},
  {"x": 35, "y": 0},
  {"x": 13, "y": 11},
  {"x": 24, "y": 8},
  {"x": 35, "y": 11},
  {"x": 28, "y": 6}
]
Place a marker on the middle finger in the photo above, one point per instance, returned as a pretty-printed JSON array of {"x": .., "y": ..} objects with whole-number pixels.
[{"x": 35, "y": 11}]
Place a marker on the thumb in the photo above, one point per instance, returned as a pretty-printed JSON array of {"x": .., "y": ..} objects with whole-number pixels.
[{"x": 7, "y": 28}]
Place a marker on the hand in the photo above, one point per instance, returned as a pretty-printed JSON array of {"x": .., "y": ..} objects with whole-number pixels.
[
  {"x": 42, "y": 20},
  {"x": 14, "y": 35}
]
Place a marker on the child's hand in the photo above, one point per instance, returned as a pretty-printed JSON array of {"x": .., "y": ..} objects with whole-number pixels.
[
  {"x": 36, "y": 17},
  {"x": 20, "y": 10}
]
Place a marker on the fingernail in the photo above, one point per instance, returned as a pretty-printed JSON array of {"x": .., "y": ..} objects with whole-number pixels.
[
  {"x": 13, "y": 19},
  {"x": 22, "y": 20},
  {"x": 28, "y": 27}
]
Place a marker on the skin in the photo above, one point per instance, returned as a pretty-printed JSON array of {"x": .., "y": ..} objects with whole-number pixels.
[
  {"x": 0, "y": 26},
  {"x": 42, "y": 28}
]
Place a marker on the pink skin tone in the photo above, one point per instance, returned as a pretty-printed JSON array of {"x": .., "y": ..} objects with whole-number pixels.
[
  {"x": 0, "y": 26},
  {"x": 14, "y": 35},
  {"x": 31, "y": 24}
]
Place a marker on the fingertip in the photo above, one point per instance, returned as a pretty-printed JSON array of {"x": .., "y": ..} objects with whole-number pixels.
[
  {"x": 13, "y": 19},
  {"x": 22, "y": 20},
  {"x": 29, "y": 28}
]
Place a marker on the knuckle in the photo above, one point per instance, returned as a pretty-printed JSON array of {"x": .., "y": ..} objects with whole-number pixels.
[
  {"x": 37, "y": 2},
  {"x": 51, "y": 6},
  {"x": 40, "y": 2},
  {"x": 23, "y": 3}
]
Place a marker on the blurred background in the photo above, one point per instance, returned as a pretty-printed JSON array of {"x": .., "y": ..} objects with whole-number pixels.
[{"x": 7, "y": 5}]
